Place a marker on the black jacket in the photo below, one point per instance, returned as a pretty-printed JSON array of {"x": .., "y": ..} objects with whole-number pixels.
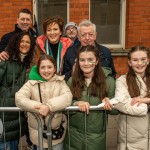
[
  {"x": 70, "y": 56},
  {"x": 6, "y": 37}
]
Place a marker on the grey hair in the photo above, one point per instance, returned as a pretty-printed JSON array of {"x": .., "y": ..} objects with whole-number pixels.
[{"x": 86, "y": 23}]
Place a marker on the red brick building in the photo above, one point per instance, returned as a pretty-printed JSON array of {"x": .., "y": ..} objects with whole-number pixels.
[{"x": 136, "y": 22}]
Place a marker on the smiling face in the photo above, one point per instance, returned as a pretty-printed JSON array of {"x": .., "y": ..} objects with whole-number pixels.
[
  {"x": 24, "y": 21},
  {"x": 46, "y": 69},
  {"x": 87, "y": 35},
  {"x": 87, "y": 63},
  {"x": 53, "y": 33},
  {"x": 139, "y": 61},
  {"x": 71, "y": 32},
  {"x": 24, "y": 46}
]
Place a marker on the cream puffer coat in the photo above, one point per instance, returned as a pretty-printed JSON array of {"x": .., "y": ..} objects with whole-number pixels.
[
  {"x": 134, "y": 120},
  {"x": 55, "y": 93}
]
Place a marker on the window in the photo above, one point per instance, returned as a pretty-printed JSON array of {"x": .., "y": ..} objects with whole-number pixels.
[
  {"x": 49, "y": 8},
  {"x": 109, "y": 17}
]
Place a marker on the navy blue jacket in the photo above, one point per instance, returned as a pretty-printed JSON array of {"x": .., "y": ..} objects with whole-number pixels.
[
  {"x": 6, "y": 37},
  {"x": 70, "y": 56}
]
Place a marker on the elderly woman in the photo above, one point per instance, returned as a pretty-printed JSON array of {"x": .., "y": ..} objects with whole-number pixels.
[{"x": 52, "y": 42}]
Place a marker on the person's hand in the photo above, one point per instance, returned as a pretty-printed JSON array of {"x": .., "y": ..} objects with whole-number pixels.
[
  {"x": 83, "y": 106},
  {"x": 108, "y": 105},
  {"x": 4, "y": 56},
  {"x": 138, "y": 101},
  {"x": 42, "y": 109}
]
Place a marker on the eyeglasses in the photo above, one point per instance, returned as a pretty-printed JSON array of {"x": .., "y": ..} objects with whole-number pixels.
[
  {"x": 90, "y": 35},
  {"x": 71, "y": 28}
]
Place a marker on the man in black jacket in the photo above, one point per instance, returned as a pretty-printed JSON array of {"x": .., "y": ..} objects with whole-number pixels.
[
  {"x": 24, "y": 22},
  {"x": 87, "y": 36}
]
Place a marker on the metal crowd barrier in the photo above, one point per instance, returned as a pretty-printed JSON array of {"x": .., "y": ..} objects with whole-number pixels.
[{"x": 40, "y": 127}]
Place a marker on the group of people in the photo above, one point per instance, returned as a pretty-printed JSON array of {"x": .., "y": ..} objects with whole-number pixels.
[{"x": 46, "y": 73}]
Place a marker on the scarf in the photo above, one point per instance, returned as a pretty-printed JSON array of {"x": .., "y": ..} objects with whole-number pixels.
[{"x": 49, "y": 52}]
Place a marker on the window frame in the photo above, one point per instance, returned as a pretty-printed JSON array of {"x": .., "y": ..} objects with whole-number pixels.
[
  {"x": 122, "y": 27},
  {"x": 35, "y": 12},
  {"x": 122, "y": 22}
]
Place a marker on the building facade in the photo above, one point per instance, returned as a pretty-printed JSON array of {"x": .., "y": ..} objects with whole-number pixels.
[{"x": 121, "y": 24}]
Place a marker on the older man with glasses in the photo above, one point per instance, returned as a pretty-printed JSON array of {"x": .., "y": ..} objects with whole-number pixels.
[{"x": 87, "y": 36}]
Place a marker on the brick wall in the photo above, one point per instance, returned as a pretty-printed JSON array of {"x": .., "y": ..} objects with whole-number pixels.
[
  {"x": 8, "y": 13},
  {"x": 137, "y": 17},
  {"x": 121, "y": 65},
  {"x": 79, "y": 10},
  {"x": 138, "y": 23}
]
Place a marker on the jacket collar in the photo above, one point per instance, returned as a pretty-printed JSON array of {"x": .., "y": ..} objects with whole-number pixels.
[
  {"x": 66, "y": 42},
  {"x": 30, "y": 31},
  {"x": 54, "y": 78}
]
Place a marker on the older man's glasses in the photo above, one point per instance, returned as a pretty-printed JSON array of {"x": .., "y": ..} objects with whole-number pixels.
[{"x": 85, "y": 35}]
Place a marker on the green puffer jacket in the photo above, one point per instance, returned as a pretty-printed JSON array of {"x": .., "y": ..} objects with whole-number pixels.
[
  {"x": 12, "y": 77},
  {"x": 88, "y": 132}
]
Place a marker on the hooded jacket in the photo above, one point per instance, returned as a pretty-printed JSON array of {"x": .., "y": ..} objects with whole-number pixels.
[
  {"x": 88, "y": 132},
  {"x": 55, "y": 94}
]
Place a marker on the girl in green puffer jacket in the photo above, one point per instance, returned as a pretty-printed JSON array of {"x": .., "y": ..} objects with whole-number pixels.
[{"x": 90, "y": 85}]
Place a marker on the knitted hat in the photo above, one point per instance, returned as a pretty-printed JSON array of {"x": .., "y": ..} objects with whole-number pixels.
[{"x": 70, "y": 24}]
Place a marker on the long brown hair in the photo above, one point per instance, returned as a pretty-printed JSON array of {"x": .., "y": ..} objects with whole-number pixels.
[
  {"x": 98, "y": 84},
  {"x": 134, "y": 89},
  {"x": 13, "y": 48}
]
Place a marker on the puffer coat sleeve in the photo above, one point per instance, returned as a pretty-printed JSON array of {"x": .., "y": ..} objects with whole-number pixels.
[
  {"x": 28, "y": 96},
  {"x": 63, "y": 100},
  {"x": 23, "y": 98},
  {"x": 2, "y": 70},
  {"x": 124, "y": 99}
]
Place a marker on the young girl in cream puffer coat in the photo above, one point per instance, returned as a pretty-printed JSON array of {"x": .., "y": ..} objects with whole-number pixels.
[{"x": 55, "y": 95}]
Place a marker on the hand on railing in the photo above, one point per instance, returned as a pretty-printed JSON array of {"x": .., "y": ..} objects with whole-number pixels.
[
  {"x": 83, "y": 106},
  {"x": 112, "y": 102},
  {"x": 42, "y": 110},
  {"x": 107, "y": 104}
]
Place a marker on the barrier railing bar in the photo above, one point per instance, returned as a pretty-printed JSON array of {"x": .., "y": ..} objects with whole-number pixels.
[
  {"x": 71, "y": 108},
  {"x": 40, "y": 128}
]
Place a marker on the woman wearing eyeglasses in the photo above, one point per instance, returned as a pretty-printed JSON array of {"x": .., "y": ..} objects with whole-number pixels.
[{"x": 52, "y": 42}]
